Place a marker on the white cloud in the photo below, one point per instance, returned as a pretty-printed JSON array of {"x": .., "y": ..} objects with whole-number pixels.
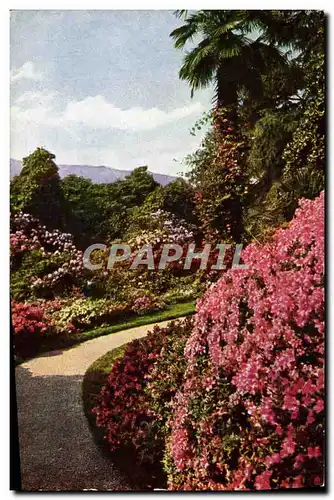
[
  {"x": 26, "y": 71},
  {"x": 98, "y": 113},
  {"x": 30, "y": 97},
  {"x": 83, "y": 132},
  {"x": 95, "y": 112}
]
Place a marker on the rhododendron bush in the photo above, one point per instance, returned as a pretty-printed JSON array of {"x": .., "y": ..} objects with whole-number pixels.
[
  {"x": 43, "y": 263},
  {"x": 250, "y": 413}
]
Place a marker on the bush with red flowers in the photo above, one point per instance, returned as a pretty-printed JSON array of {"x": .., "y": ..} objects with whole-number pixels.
[
  {"x": 134, "y": 405},
  {"x": 250, "y": 413},
  {"x": 30, "y": 325},
  {"x": 122, "y": 410}
]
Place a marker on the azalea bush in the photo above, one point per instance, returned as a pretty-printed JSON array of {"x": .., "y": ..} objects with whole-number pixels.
[
  {"x": 123, "y": 410},
  {"x": 130, "y": 405},
  {"x": 30, "y": 325},
  {"x": 165, "y": 379},
  {"x": 250, "y": 413}
]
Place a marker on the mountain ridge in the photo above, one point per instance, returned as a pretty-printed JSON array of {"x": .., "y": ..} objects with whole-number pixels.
[{"x": 97, "y": 174}]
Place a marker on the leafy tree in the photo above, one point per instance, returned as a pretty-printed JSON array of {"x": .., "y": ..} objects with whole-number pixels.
[
  {"x": 307, "y": 148},
  {"x": 84, "y": 217},
  {"x": 100, "y": 212},
  {"x": 136, "y": 186},
  {"x": 179, "y": 199},
  {"x": 37, "y": 189}
]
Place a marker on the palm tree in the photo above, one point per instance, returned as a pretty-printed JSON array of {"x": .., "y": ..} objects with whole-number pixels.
[{"x": 225, "y": 55}]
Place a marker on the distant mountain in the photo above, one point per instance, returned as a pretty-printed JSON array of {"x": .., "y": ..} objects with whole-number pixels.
[{"x": 97, "y": 175}]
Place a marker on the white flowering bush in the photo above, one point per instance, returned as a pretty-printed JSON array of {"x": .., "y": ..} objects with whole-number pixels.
[
  {"x": 86, "y": 312},
  {"x": 47, "y": 262}
]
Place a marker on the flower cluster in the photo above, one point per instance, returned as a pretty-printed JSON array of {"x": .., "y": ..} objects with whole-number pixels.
[
  {"x": 28, "y": 318},
  {"x": 140, "y": 388},
  {"x": 28, "y": 226},
  {"x": 165, "y": 228},
  {"x": 65, "y": 264},
  {"x": 250, "y": 412},
  {"x": 235, "y": 400},
  {"x": 145, "y": 303}
]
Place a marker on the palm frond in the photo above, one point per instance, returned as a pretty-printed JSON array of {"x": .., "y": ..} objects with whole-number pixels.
[
  {"x": 199, "y": 67},
  {"x": 180, "y": 13},
  {"x": 230, "y": 46},
  {"x": 185, "y": 33}
]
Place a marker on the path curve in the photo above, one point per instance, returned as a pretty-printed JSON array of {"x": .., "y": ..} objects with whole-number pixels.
[{"x": 57, "y": 450}]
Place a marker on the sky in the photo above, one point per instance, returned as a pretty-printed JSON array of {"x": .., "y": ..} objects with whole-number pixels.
[{"x": 102, "y": 88}]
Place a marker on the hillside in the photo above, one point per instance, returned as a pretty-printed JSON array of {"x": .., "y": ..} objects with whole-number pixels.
[{"x": 98, "y": 175}]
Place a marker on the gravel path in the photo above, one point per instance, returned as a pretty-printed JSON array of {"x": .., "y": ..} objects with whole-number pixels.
[{"x": 57, "y": 450}]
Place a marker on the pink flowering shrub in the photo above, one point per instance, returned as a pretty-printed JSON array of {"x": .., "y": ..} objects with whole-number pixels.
[
  {"x": 123, "y": 410},
  {"x": 145, "y": 304},
  {"x": 250, "y": 412},
  {"x": 35, "y": 326}
]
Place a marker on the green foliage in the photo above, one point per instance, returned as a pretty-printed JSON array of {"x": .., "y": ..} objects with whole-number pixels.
[
  {"x": 307, "y": 148},
  {"x": 141, "y": 216},
  {"x": 37, "y": 190},
  {"x": 84, "y": 217},
  {"x": 183, "y": 289},
  {"x": 296, "y": 137},
  {"x": 100, "y": 212},
  {"x": 176, "y": 198},
  {"x": 179, "y": 199},
  {"x": 270, "y": 135},
  {"x": 23, "y": 271},
  {"x": 136, "y": 186},
  {"x": 216, "y": 170}
]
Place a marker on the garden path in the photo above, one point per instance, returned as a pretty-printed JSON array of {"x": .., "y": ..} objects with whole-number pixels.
[{"x": 57, "y": 450}]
